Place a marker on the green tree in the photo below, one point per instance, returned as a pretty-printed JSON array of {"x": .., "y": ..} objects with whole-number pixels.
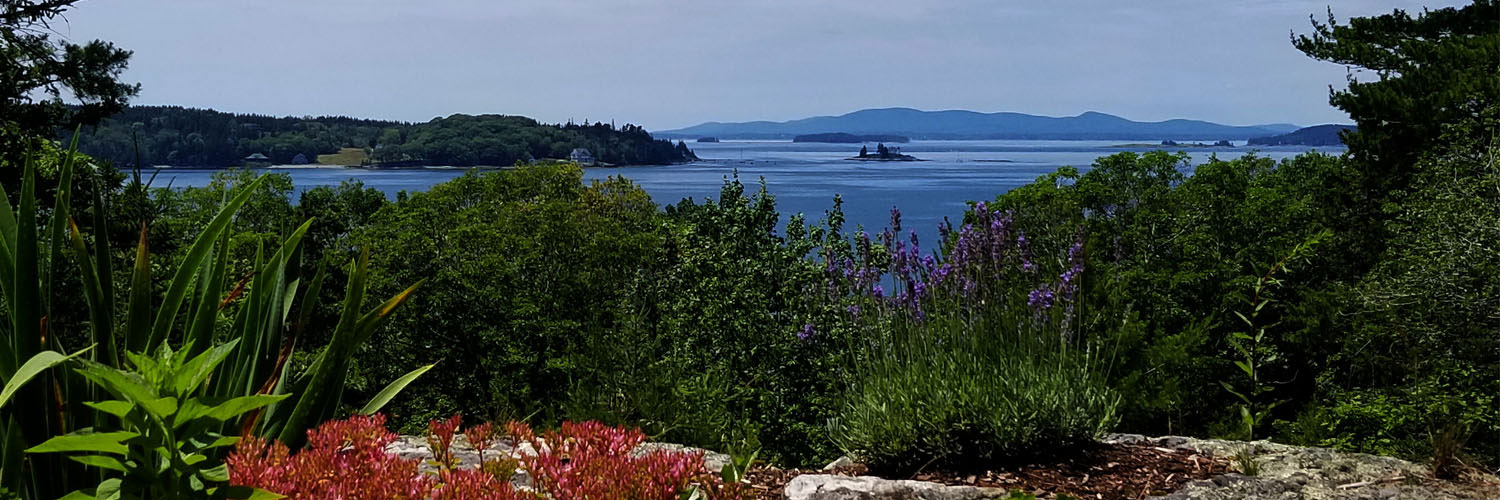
[
  {"x": 36, "y": 71},
  {"x": 1436, "y": 70},
  {"x": 521, "y": 267}
]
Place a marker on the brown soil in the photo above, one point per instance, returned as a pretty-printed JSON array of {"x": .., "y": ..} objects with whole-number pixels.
[{"x": 1108, "y": 472}]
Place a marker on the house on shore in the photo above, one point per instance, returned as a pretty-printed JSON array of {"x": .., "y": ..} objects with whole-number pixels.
[
  {"x": 581, "y": 156},
  {"x": 257, "y": 160}
]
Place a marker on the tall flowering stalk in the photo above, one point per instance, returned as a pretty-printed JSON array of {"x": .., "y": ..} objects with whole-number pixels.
[
  {"x": 985, "y": 264},
  {"x": 970, "y": 357}
]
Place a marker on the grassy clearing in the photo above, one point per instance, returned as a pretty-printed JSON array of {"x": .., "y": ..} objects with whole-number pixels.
[{"x": 345, "y": 156}]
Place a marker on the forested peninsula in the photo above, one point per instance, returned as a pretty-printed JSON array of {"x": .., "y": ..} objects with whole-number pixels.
[{"x": 190, "y": 137}]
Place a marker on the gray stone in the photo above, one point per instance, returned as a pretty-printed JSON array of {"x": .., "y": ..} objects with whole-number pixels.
[
  {"x": 715, "y": 462},
  {"x": 1291, "y": 472},
  {"x": 843, "y": 461},
  {"x": 830, "y": 487}
]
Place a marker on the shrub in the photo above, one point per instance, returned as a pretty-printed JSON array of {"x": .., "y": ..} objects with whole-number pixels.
[
  {"x": 522, "y": 266},
  {"x": 970, "y": 360},
  {"x": 706, "y": 353}
]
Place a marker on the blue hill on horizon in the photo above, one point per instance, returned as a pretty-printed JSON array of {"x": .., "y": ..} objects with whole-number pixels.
[{"x": 963, "y": 124}]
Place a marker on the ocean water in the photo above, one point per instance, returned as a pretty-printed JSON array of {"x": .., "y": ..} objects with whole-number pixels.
[{"x": 804, "y": 177}]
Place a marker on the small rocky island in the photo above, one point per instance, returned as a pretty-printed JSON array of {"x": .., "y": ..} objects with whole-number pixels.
[{"x": 883, "y": 153}]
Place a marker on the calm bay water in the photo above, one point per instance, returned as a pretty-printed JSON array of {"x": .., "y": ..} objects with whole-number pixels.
[{"x": 804, "y": 177}]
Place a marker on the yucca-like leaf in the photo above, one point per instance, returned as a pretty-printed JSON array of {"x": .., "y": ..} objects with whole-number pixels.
[
  {"x": 319, "y": 392},
  {"x": 34, "y": 366},
  {"x": 391, "y": 390},
  {"x": 57, "y": 225},
  {"x": 104, "y": 270},
  {"x": 138, "y": 312},
  {"x": 100, "y": 315},
  {"x": 166, "y": 315},
  {"x": 261, "y": 337}
]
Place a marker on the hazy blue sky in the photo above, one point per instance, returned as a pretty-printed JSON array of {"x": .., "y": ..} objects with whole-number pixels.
[{"x": 667, "y": 64}]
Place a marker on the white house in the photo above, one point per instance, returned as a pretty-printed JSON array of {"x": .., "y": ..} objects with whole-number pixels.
[{"x": 581, "y": 156}]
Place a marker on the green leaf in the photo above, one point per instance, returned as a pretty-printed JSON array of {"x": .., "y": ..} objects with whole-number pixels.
[
  {"x": 38, "y": 363},
  {"x": 138, "y": 312},
  {"x": 108, "y": 489},
  {"x": 217, "y": 474},
  {"x": 124, "y": 385},
  {"x": 1231, "y": 390},
  {"x": 194, "y": 372},
  {"x": 102, "y": 442},
  {"x": 100, "y": 461},
  {"x": 1243, "y": 318},
  {"x": 224, "y": 410},
  {"x": 1245, "y": 367},
  {"x": 100, "y": 317},
  {"x": 166, "y": 314},
  {"x": 222, "y": 441},
  {"x": 391, "y": 390},
  {"x": 113, "y": 407}
]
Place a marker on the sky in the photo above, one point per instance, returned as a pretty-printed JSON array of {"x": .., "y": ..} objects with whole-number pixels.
[{"x": 667, "y": 64}]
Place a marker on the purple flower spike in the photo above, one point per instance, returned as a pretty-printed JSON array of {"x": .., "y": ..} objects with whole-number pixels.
[
  {"x": 1040, "y": 299},
  {"x": 807, "y": 332},
  {"x": 877, "y": 291}
]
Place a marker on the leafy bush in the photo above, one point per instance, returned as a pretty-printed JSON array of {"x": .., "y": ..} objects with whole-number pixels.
[
  {"x": 192, "y": 312},
  {"x": 166, "y": 433},
  {"x": 706, "y": 351},
  {"x": 521, "y": 267},
  {"x": 975, "y": 358}
]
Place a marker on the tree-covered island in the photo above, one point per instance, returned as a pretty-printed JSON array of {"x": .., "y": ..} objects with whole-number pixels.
[
  {"x": 883, "y": 153},
  {"x": 190, "y": 137}
]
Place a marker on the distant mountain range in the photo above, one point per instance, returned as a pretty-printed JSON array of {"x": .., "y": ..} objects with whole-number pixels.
[
  {"x": 1316, "y": 135},
  {"x": 959, "y": 124}
]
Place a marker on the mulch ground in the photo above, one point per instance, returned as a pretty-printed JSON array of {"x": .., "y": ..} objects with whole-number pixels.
[{"x": 1107, "y": 472}]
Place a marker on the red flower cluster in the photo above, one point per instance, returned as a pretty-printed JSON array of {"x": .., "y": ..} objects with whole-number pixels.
[
  {"x": 592, "y": 460},
  {"x": 346, "y": 459},
  {"x": 343, "y": 459}
]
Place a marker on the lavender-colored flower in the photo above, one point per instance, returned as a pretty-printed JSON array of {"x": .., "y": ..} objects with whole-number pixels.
[
  {"x": 941, "y": 274},
  {"x": 981, "y": 208},
  {"x": 807, "y": 332},
  {"x": 877, "y": 290},
  {"x": 854, "y": 311},
  {"x": 944, "y": 229},
  {"x": 929, "y": 263},
  {"x": 895, "y": 218},
  {"x": 1023, "y": 245},
  {"x": 1040, "y": 299},
  {"x": 914, "y": 239}
]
